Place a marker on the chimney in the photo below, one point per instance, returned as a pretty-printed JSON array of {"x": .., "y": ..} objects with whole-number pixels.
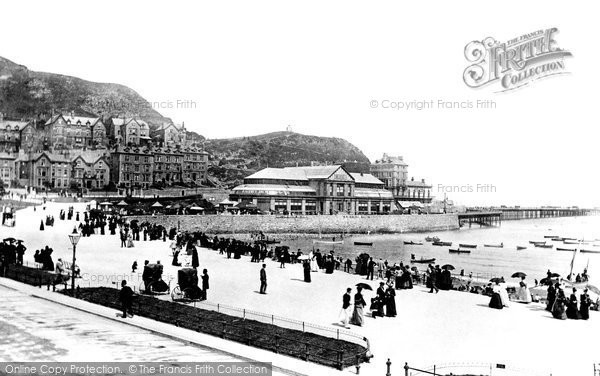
[{"x": 422, "y": 180}]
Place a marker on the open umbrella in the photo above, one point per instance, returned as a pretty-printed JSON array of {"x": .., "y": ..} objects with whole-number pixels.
[
  {"x": 519, "y": 275},
  {"x": 364, "y": 286},
  {"x": 414, "y": 268},
  {"x": 496, "y": 279},
  {"x": 448, "y": 266},
  {"x": 554, "y": 275},
  {"x": 157, "y": 205},
  {"x": 10, "y": 240},
  {"x": 547, "y": 282},
  {"x": 122, "y": 203}
]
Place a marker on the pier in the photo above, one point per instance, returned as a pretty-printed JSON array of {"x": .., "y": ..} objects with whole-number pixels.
[
  {"x": 536, "y": 213},
  {"x": 492, "y": 218}
]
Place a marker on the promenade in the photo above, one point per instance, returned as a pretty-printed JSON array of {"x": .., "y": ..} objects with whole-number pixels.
[{"x": 449, "y": 327}]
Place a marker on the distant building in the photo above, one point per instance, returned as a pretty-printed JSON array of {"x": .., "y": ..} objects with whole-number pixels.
[
  {"x": 129, "y": 131},
  {"x": 393, "y": 172},
  {"x": 7, "y": 169},
  {"x": 195, "y": 166},
  {"x": 170, "y": 135},
  {"x": 417, "y": 191},
  {"x": 314, "y": 190},
  {"x": 168, "y": 164},
  {"x": 132, "y": 167},
  {"x": 66, "y": 132},
  {"x": 10, "y": 134}
]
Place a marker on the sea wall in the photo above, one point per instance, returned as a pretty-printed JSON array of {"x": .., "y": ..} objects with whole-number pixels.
[{"x": 312, "y": 224}]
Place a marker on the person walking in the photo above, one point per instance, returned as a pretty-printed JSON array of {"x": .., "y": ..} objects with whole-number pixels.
[
  {"x": 380, "y": 268},
  {"x": 263, "y": 279},
  {"x": 432, "y": 279},
  {"x": 358, "y": 316},
  {"x": 126, "y": 298},
  {"x": 346, "y": 308},
  {"x": 205, "y": 285}
]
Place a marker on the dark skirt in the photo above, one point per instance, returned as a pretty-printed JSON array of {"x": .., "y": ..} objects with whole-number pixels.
[{"x": 496, "y": 301}]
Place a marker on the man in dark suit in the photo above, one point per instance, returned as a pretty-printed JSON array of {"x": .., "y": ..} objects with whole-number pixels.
[
  {"x": 370, "y": 268},
  {"x": 346, "y": 308},
  {"x": 263, "y": 279},
  {"x": 126, "y": 298},
  {"x": 204, "y": 284},
  {"x": 380, "y": 300}
]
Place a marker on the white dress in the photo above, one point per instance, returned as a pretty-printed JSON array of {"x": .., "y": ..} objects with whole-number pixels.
[
  {"x": 313, "y": 262},
  {"x": 524, "y": 293},
  {"x": 504, "y": 295}
]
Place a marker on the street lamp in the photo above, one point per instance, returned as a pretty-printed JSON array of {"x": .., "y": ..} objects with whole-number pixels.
[{"x": 74, "y": 238}]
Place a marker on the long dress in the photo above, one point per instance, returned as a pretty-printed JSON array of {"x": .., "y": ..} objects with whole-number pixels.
[
  {"x": 584, "y": 310},
  {"x": 306, "y": 267},
  {"x": 496, "y": 300},
  {"x": 551, "y": 298},
  {"x": 572, "y": 312},
  {"x": 558, "y": 310},
  {"x": 358, "y": 316},
  {"x": 524, "y": 293},
  {"x": 504, "y": 295},
  {"x": 313, "y": 262},
  {"x": 390, "y": 302}
]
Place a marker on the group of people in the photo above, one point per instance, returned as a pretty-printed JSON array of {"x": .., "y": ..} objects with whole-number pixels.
[
  {"x": 382, "y": 305},
  {"x": 563, "y": 308},
  {"x": 11, "y": 253}
]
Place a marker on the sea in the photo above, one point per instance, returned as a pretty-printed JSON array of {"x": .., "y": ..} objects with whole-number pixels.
[{"x": 483, "y": 262}]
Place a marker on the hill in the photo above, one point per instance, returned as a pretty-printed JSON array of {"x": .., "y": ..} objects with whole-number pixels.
[
  {"x": 28, "y": 94},
  {"x": 232, "y": 159}
]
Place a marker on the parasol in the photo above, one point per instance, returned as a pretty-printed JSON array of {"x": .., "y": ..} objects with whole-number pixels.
[
  {"x": 448, "y": 266},
  {"x": 364, "y": 286},
  {"x": 593, "y": 289},
  {"x": 519, "y": 275},
  {"x": 414, "y": 268},
  {"x": 496, "y": 280}
]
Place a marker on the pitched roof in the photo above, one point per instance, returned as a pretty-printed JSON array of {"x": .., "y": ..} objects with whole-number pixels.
[
  {"x": 316, "y": 172},
  {"x": 365, "y": 178},
  {"x": 279, "y": 173},
  {"x": 4, "y": 124}
]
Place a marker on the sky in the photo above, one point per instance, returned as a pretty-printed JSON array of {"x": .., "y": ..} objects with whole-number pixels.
[{"x": 239, "y": 68}]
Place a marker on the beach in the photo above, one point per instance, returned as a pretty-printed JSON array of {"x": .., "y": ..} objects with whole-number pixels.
[{"x": 448, "y": 327}]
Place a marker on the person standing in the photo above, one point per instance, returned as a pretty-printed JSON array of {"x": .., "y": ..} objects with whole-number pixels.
[
  {"x": 380, "y": 301},
  {"x": 263, "y": 279},
  {"x": 380, "y": 268},
  {"x": 346, "y": 306},
  {"x": 306, "y": 267},
  {"x": 370, "y": 268},
  {"x": 390, "y": 301},
  {"x": 205, "y": 285},
  {"x": 126, "y": 298},
  {"x": 572, "y": 312},
  {"x": 551, "y": 296},
  {"x": 432, "y": 279},
  {"x": 585, "y": 302},
  {"x": 358, "y": 317}
]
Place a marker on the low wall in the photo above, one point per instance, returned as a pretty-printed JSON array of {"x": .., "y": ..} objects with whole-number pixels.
[{"x": 325, "y": 224}]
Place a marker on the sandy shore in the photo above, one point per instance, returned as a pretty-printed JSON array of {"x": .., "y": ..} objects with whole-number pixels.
[{"x": 449, "y": 327}]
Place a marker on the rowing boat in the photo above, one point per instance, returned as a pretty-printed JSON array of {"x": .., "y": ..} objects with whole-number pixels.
[
  {"x": 534, "y": 242},
  {"x": 412, "y": 243},
  {"x": 544, "y": 245},
  {"x": 432, "y": 239},
  {"x": 423, "y": 261},
  {"x": 588, "y": 251},
  {"x": 551, "y": 236},
  {"x": 501, "y": 245},
  {"x": 565, "y": 249},
  {"x": 461, "y": 245},
  {"x": 368, "y": 244},
  {"x": 520, "y": 248},
  {"x": 458, "y": 250},
  {"x": 328, "y": 241},
  {"x": 443, "y": 244}
]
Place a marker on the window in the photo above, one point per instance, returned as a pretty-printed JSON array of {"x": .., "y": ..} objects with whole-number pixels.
[
  {"x": 331, "y": 189},
  {"x": 340, "y": 189}
]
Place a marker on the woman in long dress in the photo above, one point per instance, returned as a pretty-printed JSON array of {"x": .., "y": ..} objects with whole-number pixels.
[
  {"x": 390, "y": 301},
  {"x": 572, "y": 311},
  {"x": 358, "y": 315},
  {"x": 504, "y": 294},
  {"x": 524, "y": 293},
  {"x": 313, "y": 262},
  {"x": 496, "y": 300},
  {"x": 558, "y": 310},
  {"x": 129, "y": 240},
  {"x": 585, "y": 303}
]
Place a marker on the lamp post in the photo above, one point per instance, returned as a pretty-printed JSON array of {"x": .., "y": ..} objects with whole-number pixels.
[{"x": 74, "y": 238}]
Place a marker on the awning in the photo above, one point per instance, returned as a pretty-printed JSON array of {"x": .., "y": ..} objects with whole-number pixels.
[
  {"x": 410, "y": 204},
  {"x": 122, "y": 203},
  {"x": 157, "y": 205}
]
